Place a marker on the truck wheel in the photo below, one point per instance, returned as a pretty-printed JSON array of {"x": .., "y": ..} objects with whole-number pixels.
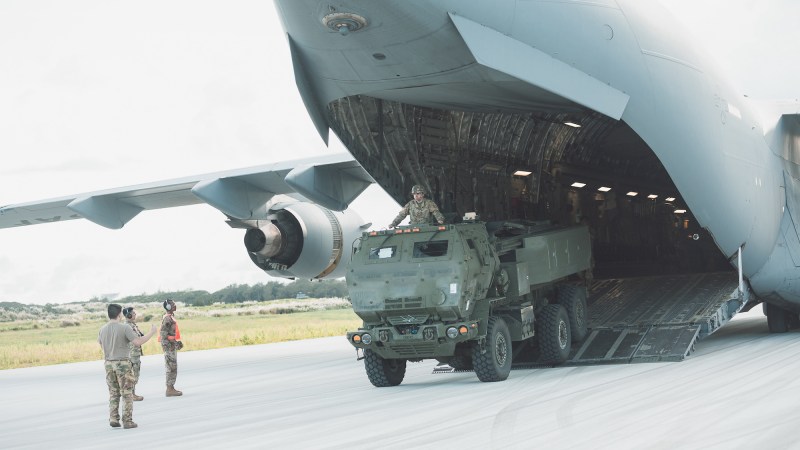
[
  {"x": 573, "y": 299},
  {"x": 554, "y": 334},
  {"x": 495, "y": 363},
  {"x": 383, "y": 372}
]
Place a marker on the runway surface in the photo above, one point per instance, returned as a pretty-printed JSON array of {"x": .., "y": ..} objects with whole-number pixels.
[{"x": 739, "y": 389}]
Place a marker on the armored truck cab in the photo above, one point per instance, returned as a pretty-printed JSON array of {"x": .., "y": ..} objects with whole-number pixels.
[{"x": 462, "y": 293}]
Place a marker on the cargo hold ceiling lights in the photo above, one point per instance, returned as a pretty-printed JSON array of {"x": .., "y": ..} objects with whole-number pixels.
[{"x": 344, "y": 23}]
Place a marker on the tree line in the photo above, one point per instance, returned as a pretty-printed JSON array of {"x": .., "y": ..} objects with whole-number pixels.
[{"x": 238, "y": 293}]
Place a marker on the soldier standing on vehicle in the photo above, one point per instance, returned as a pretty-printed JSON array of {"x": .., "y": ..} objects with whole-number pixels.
[
  {"x": 136, "y": 350},
  {"x": 420, "y": 210},
  {"x": 114, "y": 338},
  {"x": 170, "y": 338}
]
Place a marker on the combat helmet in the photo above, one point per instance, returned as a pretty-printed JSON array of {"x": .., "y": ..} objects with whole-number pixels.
[{"x": 417, "y": 189}]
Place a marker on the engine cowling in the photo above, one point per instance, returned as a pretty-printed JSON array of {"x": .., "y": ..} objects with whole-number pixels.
[{"x": 303, "y": 240}]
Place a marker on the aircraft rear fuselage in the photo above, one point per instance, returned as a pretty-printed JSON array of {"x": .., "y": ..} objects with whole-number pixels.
[{"x": 461, "y": 96}]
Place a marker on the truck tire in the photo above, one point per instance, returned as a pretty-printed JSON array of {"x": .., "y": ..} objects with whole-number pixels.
[
  {"x": 573, "y": 299},
  {"x": 554, "y": 334},
  {"x": 495, "y": 363},
  {"x": 383, "y": 372}
]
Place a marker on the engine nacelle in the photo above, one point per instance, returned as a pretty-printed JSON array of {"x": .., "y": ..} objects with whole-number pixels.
[{"x": 303, "y": 240}]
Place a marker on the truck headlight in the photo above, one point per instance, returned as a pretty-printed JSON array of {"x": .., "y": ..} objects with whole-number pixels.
[
  {"x": 366, "y": 338},
  {"x": 452, "y": 332}
]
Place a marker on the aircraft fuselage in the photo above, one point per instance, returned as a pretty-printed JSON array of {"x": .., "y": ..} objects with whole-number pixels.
[{"x": 458, "y": 95}]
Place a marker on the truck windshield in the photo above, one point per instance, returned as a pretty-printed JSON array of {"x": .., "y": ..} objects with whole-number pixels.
[
  {"x": 382, "y": 252},
  {"x": 430, "y": 249}
]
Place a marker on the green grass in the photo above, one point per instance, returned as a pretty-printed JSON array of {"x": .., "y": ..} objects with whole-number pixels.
[{"x": 39, "y": 343}]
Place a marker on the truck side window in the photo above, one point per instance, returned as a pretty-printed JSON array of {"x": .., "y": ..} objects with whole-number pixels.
[
  {"x": 428, "y": 249},
  {"x": 382, "y": 252}
]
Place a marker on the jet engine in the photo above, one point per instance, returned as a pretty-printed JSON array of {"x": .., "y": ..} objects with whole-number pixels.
[{"x": 303, "y": 240}]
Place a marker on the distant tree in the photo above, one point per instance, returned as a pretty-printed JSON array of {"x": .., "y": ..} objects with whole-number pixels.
[
  {"x": 234, "y": 293},
  {"x": 12, "y": 306}
]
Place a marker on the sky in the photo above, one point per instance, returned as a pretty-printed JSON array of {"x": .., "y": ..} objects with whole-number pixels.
[{"x": 96, "y": 94}]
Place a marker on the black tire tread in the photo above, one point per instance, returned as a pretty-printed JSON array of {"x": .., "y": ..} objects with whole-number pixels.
[
  {"x": 484, "y": 364},
  {"x": 379, "y": 371},
  {"x": 548, "y": 323},
  {"x": 573, "y": 299}
]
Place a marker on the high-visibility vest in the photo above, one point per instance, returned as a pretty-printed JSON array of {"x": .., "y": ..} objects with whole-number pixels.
[{"x": 177, "y": 336}]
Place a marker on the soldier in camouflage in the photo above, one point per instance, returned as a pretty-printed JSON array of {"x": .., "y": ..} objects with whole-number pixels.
[
  {"x": 136, "y": 350},
  {"x": 420, "y": 210},
  {"x": 114, "y": 338},
  {"x": 170, "y": 338}
]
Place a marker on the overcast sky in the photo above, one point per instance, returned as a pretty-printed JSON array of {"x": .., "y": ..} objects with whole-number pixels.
[{"x": 101, "y": 94}]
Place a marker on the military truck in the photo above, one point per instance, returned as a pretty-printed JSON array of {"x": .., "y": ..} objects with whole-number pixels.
[{"x": 472, "y": 295}]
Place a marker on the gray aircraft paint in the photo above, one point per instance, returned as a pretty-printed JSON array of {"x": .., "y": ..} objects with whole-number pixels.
[{"x": 709, "y": 138}]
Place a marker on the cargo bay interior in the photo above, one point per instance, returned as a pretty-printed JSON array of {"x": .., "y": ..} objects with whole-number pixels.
[
  {"x": 575, "y": 167},
  {"x": 660, "y": 282}
]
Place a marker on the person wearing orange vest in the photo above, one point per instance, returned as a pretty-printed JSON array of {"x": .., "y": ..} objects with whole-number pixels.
[{"x": 170, "y": 338}]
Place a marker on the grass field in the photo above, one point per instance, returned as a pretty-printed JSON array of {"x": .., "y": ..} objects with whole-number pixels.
[{"x": 62, "y": 340}]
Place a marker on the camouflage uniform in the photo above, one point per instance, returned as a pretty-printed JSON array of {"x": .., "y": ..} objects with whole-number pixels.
[
  {"x": 136, "y": 354},
  {"x": 420, "y": 212},
  {"x": 170, "y": 348},
  {"x": 114, "y": 338},
  {"x": 120, "y": 381}
]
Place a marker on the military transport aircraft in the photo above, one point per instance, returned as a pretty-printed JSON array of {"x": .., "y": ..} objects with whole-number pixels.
[
  {"x": 597, "y": 111},
  {"x": 600, "y": 112}
]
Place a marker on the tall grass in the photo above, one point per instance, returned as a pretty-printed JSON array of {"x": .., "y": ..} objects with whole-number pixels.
[{"x": 23, "y": 345}]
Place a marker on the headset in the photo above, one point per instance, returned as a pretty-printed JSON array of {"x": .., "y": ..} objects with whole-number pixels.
[
  {"x": 128, "y": 312},
  {"x": 168, "y": 303}
]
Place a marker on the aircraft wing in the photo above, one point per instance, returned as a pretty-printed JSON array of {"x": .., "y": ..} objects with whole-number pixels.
[{"x": 331, "y": 181}]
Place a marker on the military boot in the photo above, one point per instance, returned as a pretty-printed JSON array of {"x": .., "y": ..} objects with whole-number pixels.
[
  {"x": 137, "y": 398},
  {"x": 172, "y": 392},
  {"x": 129, "y": 425}
]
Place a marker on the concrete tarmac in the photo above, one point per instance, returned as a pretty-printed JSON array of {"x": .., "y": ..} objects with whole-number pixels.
[{"x": 739, "y": 389}]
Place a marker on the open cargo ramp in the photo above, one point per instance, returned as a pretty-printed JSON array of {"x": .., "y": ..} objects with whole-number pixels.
[
  {"x": 655, "y": 318},
  {"x": 649, "y": 319}
]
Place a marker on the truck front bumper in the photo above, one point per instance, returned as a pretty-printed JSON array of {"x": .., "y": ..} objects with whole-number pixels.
[{"x": 414, "y": 341}]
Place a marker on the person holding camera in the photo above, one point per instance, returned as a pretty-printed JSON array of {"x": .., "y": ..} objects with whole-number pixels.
[{"x": 170, "y": 338}]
